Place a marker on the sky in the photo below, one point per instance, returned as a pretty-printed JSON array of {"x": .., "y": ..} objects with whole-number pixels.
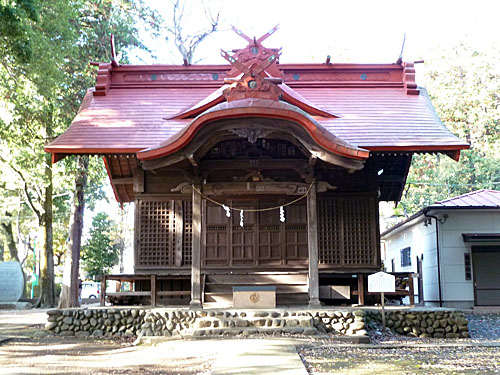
[{"x": 350, "y": 31}]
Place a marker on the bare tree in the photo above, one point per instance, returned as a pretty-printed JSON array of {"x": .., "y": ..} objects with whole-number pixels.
[{"x": 186, "y": 42}]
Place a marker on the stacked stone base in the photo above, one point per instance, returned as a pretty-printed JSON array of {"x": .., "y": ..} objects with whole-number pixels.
[
  {"x": 341, "y": 322},
  {"x": 436, "y": 324},
  {"x": 95, "y": 322},
  {"x": 253, "y": 322},
  {"x": 118, "y": 322}
]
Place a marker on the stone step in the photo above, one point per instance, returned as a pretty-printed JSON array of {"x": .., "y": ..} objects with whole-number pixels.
[{"x": 255, "y": 322}]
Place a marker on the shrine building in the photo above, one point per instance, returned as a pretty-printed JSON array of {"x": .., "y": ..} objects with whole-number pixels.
[{"x": 254, "y": 172}]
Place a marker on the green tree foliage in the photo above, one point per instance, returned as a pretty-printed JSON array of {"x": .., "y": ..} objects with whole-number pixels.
[
  {"x": 15, "y": 29},
  {"x": 46, "y": 48},
  {"x": 464, "y": 85},
  {"x": 101, "y": 252}
]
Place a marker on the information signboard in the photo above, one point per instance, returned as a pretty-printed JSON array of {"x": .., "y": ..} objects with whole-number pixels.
[{"x": 381, "y": 282}]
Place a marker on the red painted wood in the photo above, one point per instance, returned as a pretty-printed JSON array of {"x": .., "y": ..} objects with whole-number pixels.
[{"x": 258, "y": 108}]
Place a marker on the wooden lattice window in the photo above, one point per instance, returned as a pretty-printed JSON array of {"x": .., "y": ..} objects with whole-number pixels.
[
  {"x": 163, "y": 241},
  {"x": 347, "y": 231},
  {"x": 155, "y": 234},
  {"x": 330, "y": 231},
  {"x": 187, "y": 233},
  {"x": 359, "y": 236}
]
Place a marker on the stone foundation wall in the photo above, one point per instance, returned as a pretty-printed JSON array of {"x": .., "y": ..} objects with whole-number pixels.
[
  {"x": 168, "y": 322},
  {"x": 437, "y": 324},
  {"x": 95, "y": 322},
  {"x": 341, "y": 322}
]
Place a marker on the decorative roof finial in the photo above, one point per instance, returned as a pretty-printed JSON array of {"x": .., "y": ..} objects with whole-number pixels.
[
  {"x": 114, "y": 58},
  {"x": 253, "y": 70},
  {"x": 255, "y": 51}
]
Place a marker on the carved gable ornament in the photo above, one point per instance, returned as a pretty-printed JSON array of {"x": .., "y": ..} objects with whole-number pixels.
[
  {"x": 253, "y": 67},
  {"x": 255, "y": 74}
]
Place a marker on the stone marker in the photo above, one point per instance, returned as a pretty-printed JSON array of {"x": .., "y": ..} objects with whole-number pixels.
[{"x": 11, "y": 282}]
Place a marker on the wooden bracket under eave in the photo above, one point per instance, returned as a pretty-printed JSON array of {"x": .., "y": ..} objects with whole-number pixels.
[
  {"x": 57, "y": 157},
  {"x": 455, "y": 154},
  {"x": 409, "y": 79}
]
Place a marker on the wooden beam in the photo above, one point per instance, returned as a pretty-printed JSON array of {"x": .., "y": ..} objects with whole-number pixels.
[
  {"x": 256, "y": 188},
  {"x": 122, "y": 180},
  {"x": 192, "y": 160},
  {"x": 312, "y": 240},
  {"x": 361, "y": 289},
  {"x": 139, "y": 180},
  {"x": 312, "y": 162},
  {"x": 196, "y": 252},
  {"x": 179, "y": 226},
  {"x": 259, "y": 164}
]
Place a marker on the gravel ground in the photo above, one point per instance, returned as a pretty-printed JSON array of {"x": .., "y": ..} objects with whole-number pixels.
[
  {"x": 484, "y": 327},
  {"x": 402, "y": 360},
  {"x": 394, "y": 354}
]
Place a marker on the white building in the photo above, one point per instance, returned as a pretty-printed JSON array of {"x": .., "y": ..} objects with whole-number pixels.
[{"x": 455, "y": 244}]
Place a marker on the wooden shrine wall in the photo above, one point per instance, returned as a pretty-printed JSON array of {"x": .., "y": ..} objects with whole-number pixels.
[
  {"x": 347, "y": 234},
  {"x": 263, "y": 240},
  {"x": 163, "y": 233}
]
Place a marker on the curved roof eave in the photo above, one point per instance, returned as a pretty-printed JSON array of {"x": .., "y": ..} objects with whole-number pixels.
[{"x": 255, "y": 107}]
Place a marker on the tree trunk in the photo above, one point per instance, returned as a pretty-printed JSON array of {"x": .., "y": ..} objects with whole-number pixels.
[
  {"x": 2, "y": 250},
  {"x": 11, "y": 243},
  {"x": 47, "y": 287},
  {"x": 70, "y": 288}
]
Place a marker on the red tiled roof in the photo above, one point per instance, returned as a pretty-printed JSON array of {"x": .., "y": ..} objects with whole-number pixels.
[
  {"x": 476, "y": 199},
  {"x": 259, "y": 108},
  {"x": 376, "y": 116}
]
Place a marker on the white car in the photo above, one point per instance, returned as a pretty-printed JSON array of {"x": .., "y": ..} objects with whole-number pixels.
[{"x": 90, "y": 289}]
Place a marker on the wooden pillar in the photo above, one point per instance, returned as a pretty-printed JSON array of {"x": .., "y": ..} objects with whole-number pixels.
[
  {"x": 411, "y": 292},
  {"x": 312, "y": 240},
  {"x": 196, "y": 252},
  {"x": 361, "y": 289},
  {"x": 153, "y": 290}
]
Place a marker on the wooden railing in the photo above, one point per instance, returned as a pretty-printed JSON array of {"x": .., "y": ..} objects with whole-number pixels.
[
  {"x": 403, "y": 280},
  {"x": 153, "y": 293}
]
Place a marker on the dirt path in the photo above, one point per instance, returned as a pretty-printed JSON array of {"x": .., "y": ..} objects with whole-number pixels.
[
  {"x": 27, "y": 349},
  {"x": 55, "y": 355}
]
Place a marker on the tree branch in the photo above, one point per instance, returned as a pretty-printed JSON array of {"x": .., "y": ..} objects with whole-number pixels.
[
  {"x": 187, "y": 45},
  {"x": 37, "y": 212}
]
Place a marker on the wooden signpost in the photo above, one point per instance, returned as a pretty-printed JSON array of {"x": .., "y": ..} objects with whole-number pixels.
[{"x": 381, "y": 282}]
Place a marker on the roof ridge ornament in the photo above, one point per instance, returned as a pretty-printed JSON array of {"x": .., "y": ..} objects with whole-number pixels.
[
  {"x": 256, "y": 51},
  {"x": 114, "y": 57},
  {"x": 254, "y": 73},
  {"x": 103, "y": 80}
]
